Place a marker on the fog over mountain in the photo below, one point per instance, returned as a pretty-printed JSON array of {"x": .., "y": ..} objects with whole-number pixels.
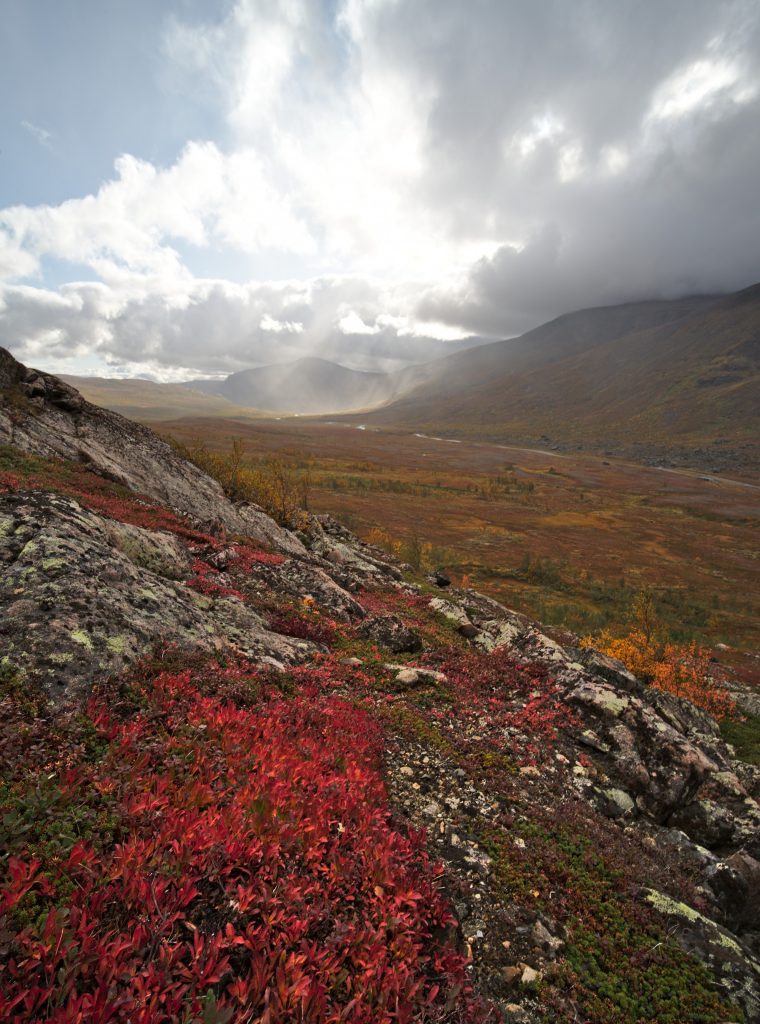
[{"x": 194, "y": 189}]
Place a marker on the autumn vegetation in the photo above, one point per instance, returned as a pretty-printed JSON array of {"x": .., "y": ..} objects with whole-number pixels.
[
  {"x": 681, "y": 669},
  {"x": 272, "y": 483},
  {"x": 211, "y": 841},
  {"x": 568, "y": 540}
]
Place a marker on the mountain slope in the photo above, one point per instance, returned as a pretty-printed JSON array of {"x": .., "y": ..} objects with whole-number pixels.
[
  {"x": 697, "y": 378},
  {"x": 564, "y": 337},
  {"x": 680, "y": 372}
]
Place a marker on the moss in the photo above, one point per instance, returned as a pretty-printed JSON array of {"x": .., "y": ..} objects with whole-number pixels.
[
  {"x": 491, "y": 760},
  {"x": 622, "y": 965},
  {"x": 62, "y": 657},
  {"x": 116, "y": 644},
  {"x": 665, "y": 905},
  {"x": 412, "y": 725},
  {"x": 53, "y": 563},
  {"x": 11, "y": 677},
  {"x": 612, "y": 702},
  {"x": 6, "y": 526},
  {"x": 83, "y": 638}
]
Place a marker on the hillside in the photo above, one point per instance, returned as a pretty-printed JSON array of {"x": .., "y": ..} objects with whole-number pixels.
[
  {"x": 670, "y": 374},
  {"x": 255, "y": 771},
  {"x": 147, "y": 400},
  {"x": 307, "y": 385}
]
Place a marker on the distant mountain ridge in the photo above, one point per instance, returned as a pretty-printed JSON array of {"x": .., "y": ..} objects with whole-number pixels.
[
  {"x": 141, "y": 399},
  {"x": 308, "y": 385}
]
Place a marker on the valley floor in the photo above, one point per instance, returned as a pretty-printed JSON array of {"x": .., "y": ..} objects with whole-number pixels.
[{"x": 566, "y": 537}]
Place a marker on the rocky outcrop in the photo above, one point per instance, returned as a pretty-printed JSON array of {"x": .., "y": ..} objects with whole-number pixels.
[
  {"x": 43, "y": 415},
  {"x": 82, "y": 596},
  {"x": 662, "y": 756}
]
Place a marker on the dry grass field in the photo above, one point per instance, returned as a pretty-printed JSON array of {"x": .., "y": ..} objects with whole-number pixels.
[{"x": 568, "y": 539}]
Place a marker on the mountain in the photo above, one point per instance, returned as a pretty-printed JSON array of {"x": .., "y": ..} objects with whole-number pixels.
[
  {"x": 679, "y": 372},
  {"x": 257, "y": 774},
  {"x": 308, "y": 385}
]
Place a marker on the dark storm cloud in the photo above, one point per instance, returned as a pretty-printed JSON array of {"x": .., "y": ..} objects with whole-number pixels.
[{"x": 671, "y": 91}]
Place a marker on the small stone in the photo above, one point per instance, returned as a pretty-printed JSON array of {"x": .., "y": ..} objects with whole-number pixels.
[
  {"x": 392, "y": 633},
  {"x": 530, "y": 769},
  {"x": 544, "y": 938},
  {"x": 617, "y": 803},
  {"x": 511, "y": 975},
  {"x": 406, "y": 770},
  {"x": 529, "y": 975}
]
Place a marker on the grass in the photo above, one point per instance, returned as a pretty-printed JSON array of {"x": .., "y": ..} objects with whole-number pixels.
[{"x": 744, "y": 735}]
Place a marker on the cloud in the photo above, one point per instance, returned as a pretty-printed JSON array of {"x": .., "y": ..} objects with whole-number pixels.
[
  {"x": 212, "y": 327},
  {"x": 134, "y": 221},
  {"x": 42, "y": 135},
  {"x": 399, "y": 170}
]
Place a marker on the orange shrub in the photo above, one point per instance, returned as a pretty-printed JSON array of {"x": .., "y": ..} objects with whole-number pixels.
[{"x": 681, "y": 669}]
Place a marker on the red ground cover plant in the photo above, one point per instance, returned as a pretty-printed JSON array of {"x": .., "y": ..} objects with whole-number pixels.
[
  {"x": 507, "y": 697},
  {"x": 385, "y": 602},
  {"x": 306, "y": 625},
  {"x": 205, "y": 580},
  {"x": 9, "y": 482},
  {"x": 493, "y": 703},
  {"x": 252, "y": 873}
]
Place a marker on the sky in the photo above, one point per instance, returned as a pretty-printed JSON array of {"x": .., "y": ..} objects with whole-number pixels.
[{"x": 193, "y": 187}]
